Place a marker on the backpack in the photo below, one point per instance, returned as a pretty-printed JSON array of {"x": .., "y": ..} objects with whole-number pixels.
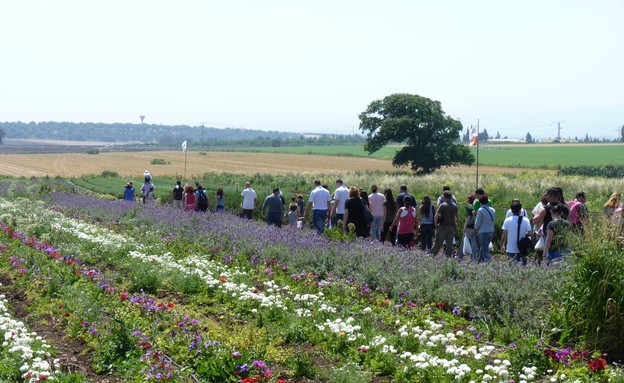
[
  {"x": 202, "y": 200},
  {"x": 573, "y": 217}
]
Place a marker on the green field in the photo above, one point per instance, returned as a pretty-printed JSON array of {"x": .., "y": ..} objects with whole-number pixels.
[{"x": 525, "y": 156}]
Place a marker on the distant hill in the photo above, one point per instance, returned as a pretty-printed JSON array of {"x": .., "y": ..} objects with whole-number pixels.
[{"x": 118, "y": 132}]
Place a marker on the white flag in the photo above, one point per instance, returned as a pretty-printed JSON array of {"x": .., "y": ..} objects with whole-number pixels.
[
  {"x": 474, "y": 135},
  {"x": 184, "y": 146}
]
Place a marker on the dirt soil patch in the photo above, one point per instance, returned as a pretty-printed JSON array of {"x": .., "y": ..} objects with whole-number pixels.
[{"x": 133, "y": 164}]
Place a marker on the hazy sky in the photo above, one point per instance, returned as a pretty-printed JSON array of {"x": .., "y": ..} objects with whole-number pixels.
[{"x": 314, "y": 66}]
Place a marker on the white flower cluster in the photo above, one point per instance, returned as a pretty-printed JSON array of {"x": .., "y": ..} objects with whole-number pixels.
[
  {"x": 342, "y": 328},
  {"x": 20, "y": 342},
  {"x": 88, "y": 232},
  {"x": 431, "y": 336},
  {"x": 529, "y": 374}
]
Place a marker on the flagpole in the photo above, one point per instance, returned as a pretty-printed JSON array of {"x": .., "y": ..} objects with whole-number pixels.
[
  {"x": 185, "y": 164},
  {"x": 477, "y": 154}
]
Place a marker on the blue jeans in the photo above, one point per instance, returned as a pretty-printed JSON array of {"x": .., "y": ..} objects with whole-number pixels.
[
  {"x": 274, "y": 219},
  {"x": 484, "y": 249},
  {"x": 375, "y": 230},
  {"x": 555, "y": 254},
  {"x": 318, "y": 219},
  {"x": 427, "y": 233}
]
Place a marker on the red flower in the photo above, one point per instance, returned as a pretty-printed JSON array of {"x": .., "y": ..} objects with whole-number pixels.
[
  {"x": 170, "y": 305},
  {"x": 441, "y": 305},
  {"x": 597, "y": 365},
  {"x": 66, "y": 313},
  {"x": 281, "y": 381},
  {"x": 78, "y": 272}
]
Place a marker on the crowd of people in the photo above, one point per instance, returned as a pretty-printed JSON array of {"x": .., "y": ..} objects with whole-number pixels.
[{"x": 403, "y": 221}]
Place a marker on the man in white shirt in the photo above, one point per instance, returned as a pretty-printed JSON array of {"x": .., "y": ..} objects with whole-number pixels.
[
  {"x": 250, "y": 201},
  {"x": 320, "y": 204},
  {"x": 509, "y": 240},
  {"x": 341, "y": 195},
  {"x": 376, "y": 201}
]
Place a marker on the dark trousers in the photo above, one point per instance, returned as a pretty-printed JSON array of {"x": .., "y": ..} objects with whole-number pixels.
[
  {"x": 406, "y": 240},
  {"x": 385, "y": 231},
  {"x": 427, "y": 232},
  {"x": 247, "y": 213},
  {"x": 274, "y": 219}
]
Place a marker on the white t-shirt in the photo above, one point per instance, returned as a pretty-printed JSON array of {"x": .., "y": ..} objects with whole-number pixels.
[
  {"x": 511, "y": 225},
  {"x": 510, "y": 213},
  {"x": 319, "y": 198},
  {"x": 341, "y": 195},
  {"x": 249, "y": 197},
  {"x": 376, "y": 201}
]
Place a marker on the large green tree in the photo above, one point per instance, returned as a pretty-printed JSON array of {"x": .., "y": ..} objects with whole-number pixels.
[{"x": 428, "y": 133}]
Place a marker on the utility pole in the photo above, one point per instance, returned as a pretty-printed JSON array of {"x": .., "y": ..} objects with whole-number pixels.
[
  {"x": 202, "y": 126},
  {"x": 559, "y": 129}
]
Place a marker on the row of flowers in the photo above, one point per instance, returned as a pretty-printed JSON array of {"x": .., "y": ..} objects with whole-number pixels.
[
  {"x": 433, "y": 337},
  {"x": 24, "y": 348}
]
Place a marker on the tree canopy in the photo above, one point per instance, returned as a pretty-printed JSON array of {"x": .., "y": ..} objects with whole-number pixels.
[{"x": 428, "y": 133}]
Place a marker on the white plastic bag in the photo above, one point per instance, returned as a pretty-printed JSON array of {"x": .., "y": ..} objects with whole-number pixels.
[
  {"x": 539, "y": 246},
  {"x": 467, "y": 247},
  {"x": 491, "y": 247}
]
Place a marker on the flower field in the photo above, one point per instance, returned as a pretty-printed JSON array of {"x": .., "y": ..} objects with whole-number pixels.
[{"x": 156, "y": 294}]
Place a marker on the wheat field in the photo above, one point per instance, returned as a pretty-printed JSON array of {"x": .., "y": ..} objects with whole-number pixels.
[{"x": 133, "y": 164}]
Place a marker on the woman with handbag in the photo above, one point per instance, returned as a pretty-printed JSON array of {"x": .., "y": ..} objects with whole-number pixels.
[{"x": 355, "y": 213}]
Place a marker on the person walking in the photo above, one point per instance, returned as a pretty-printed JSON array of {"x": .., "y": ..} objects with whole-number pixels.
[
  {"x": 446, "y": 221},
  {"x": 557, "y": 233},
  {"x": 202, "y": 198},
  {"x": 427, "y": 224},
  {"x": 219, "y": 201},
  {"x": 189, "y": 201},
  {"x": 406, "y": 221},
  {"x": 341, "y": 195},
  {"x": 274, "y": 207},
  {"x": 469, "y": 231},
  {"x": 484, "y": 226},
  {"x": 354, "y": 213},
  {"x": 441, "y": 198},
  {"x": 147, "y": 184},
  {"x": 150, "y": 198},
  {"x": 320, "y": 203},
  {"x": 515, "y": 227},
  {"x": 178, "y": 193},
  {"x": 376, "y": 201},
  {"x": 389, "y": 212},
  {"x": 402, "y": 194},
  {"x": 250, "y": 201},
  {"x": 129, "y": 193}
]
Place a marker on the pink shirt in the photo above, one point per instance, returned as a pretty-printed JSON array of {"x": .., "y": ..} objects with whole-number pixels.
[
  {"x": 407, "y": 219},
  {"x": 376, "y": 201}
]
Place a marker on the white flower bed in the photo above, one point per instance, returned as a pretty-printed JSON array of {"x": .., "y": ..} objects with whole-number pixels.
[{"x": 30, "y": 349}]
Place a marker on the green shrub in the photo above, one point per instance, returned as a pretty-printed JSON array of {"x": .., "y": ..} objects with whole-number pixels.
[
  {"x": 109, "y": 174},
  {"x": 159, "y": 161},
  {"x": 592, "y": 311},
  {"x": 93, "y": 151},
  {"x": 607, "y": 171}
]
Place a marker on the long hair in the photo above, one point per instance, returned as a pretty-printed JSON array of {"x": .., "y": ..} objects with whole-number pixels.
[
  {"x": 613, "y": 201},
  {"x": 390, "y": 199},
  {"x": 425, "y": 208}
]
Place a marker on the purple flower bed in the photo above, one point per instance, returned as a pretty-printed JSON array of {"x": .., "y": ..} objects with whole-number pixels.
[{"x": 508, "y": 292}]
